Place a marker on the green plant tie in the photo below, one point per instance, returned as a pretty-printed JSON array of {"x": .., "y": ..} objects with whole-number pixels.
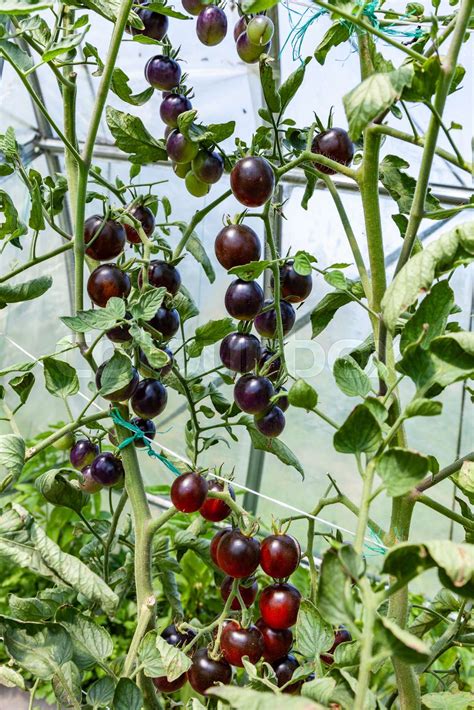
[
  {"x": 139, "y": 435},
  {"x": 298, "y": 30}
]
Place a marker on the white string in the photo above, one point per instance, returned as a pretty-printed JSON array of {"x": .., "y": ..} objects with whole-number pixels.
[{"x": 159, "y": 447}]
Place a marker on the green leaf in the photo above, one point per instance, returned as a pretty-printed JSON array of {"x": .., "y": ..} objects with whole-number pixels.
[
  {"x": 313, "y": 634},
  {"x": 11, "y": 678},
  {"x": 195, "y": 247},
  {"x": 149, "y": 656},
  {"x": 401, "y": 186},
  {"x": 422, "y": 407},
  {"x": 23, "y": 7},
  {"x": 239, "y": 698},
  {"x": 22, "y": 385},
  {"x": 430, "y": 319},
  {"x": 335, "y": 35},
  {"x": 210, "y": 333},
  {"x": 291, "y": 85},
  {"x": 60, "y": 378},
  {"x": 373, "y": 96},
  {"x": 269, "y": 88},
  {"x": 101, "y": 693},
  {"x": 12, "y": 459},
  {"x": 97, "y": 318},
  {"x": 401, "y": 643},
  {"x": 127, "y": 696},
  {"x": 185, "y": 305},
  {"x": 175, "y": 662},
  {"x": 419, "y": 272},
  {"x": 455, "y": 563},
  {"x": 350, "y": 377},
  {"x": 401, "y": 469},
  {"x": 464, "y": 479},
  {"x": 92, "y": 643},
  {"x": 251, "y": 271},
  {"x": 273, "y": 446},
  {"x": 327, "y": 308},
  {"x": 255, "y": 6},
  {"x": 15, "y": 55},
  {"x": 458, "y": 700},
  {"x": 116, "y": 374},
  {"x": 359, "y": 433},
  {"x": 424, "y": 81},
  {"x": 64, "y": 45},
  {"x": 10, "y": 226},
  {"x": 67, "y": 686},
  {"x": 148, "y": 303},
  {"x": 121, "y": 88},
  {"x": 301, "y": 394},
  {"x": 60, "y": 491},
  {"x": 162, "y": 9},
  {"x": 132, "y": 138},
  {"x": 31, "y": 609},
  {"x": 198, "y": 133},
  {"x": 302, "y": 263},
  {"x": 26, "y": 291},
  {"x": 40, "y": 649},
  {"x": 334, "y": 590}
]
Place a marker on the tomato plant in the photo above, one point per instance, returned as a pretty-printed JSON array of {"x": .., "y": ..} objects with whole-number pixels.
[{"x": 204, "y": 604}]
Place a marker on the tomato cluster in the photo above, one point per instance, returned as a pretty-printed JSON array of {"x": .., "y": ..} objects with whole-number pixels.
[{"x": 99, "y": 470}]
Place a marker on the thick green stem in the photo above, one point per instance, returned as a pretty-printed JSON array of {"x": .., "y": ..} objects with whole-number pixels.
[
  {"x": 363, "y": 679},
  {"x": 110, "y": 537},
  {"x": 69, "y": 113},
  {"x": 448, "y": 67}
]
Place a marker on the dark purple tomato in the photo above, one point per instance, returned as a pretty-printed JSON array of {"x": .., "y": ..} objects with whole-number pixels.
[
  {"x": 156, "y": 25},
  {"x": 195, "y": 186},
  {"x": 215, "y": 542},
  {"x": 208, "y": 166},
  {"x": 175, "y": 638},
  {"x": 294, "y": 287},
  {"x": 276, "y": 642},
  {"x": 147, "y": 220},
  {"x": 162, "y": 72},
  {"x": 181, "y": 169},
  {"x": 179, "y": 148},
  {"x": 253, "y": 393},
  {"x": 149, "y": 399},
  {"x": 238, "y": 641},
  {"x": 238, "y": 555},
  {"x": 147, "y": 368},
  {"x": 240, "y": 352},
  {"x": 108, "y": 281},
  {"x": 147, "y": 427},
  {"x": 239, "y": 27},
  {"x": 120, "y": 333},
  {"x": 108, "y": 238},
  {"x": 107, "y": 469},
  {"x": 173, "y": 106},
  {"x": 279, "y": 605},
  {"x": 248, "y": 593},
  {"x": 335, "y": 144},
  {"x": 205, "y": 672},
  {"x": 269, "y": 365},
  {"x": 266, "y": 322},
  {"x": 211, "y": 26},
  {"x": 342, "y": 635},
  {"x": 284, "y": 669},
  {"x": 189, "y": 491},
  {"x": 236, "y": 245},
  {"x": 214, "y": 509},
  {"x": 244, "y": 299},
  {"x": 166, "y": 321},
  {"x": 194, "y": 7},
  {"x": 83, "y": 453},
  {"x": 280, "y": 555},
  {"x": 123, "y": 393},
  {"x": 252, "y": 181},
  {"x": 248, "y": 52},
  {"x": 160, "y": 273},
  {"x": 88, "y": 484},
  {"x": 283, "y": 401},
  {"x": 271, "y": 423}
]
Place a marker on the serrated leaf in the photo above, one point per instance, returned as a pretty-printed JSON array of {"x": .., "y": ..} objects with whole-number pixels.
[
  {"x": 334, "y": 36},
  {"x": 195, "y": 247},
  {"x": 422, "y": 407},
  {"x": 26, "y": 291},
  {"x": 430, "y": 319},
  {"x": 360, "y": 432},
  {"x": 67, "y": 686},
  {"x": 402, "y": 643},
  {"x": 374, "y": 95},
  {"x": 401, "y": 470},
  {"x": 23, "y": 7},
  {"x": 12, "y": 459},
  {"x": 239, "y": 698},
  {"x": 15, "y": 55},
  {"x": 175, "y": 662},
  {"x": 40, "y": 649},
  {"x": 10, "y": 678},
  {"x": 350, "y": 377},
  {"x": 301, "y": 394},
  {"x": 116, "y": 374},
  {"x": 132, "y": 138},
  {"x": 274, "y": 446},
  {"x": 60, "y": 378},
  {"x": 127, "y": 696},
  {"x": 313, "y": 634},
  {"x": 92, "y": 643},
  {"x": 302, "y": 263},
  {"x": 251, "y": 271},
  {"x": 121, "y": 88},
  {"x": 59, "y": 490},
  {"x": 457, "y": 700},
  {"x": 148, "y": 303},
  {"x": 334, "y": 590},
  {"x": 269, "y": 88},
  {"x": 100, "y": 694},
  {"x": 210, "y": 333},
  {"x": 290, "y": 86}
]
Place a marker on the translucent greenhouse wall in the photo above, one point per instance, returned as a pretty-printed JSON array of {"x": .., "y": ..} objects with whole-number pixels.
[{"x": 227, "y": 89}]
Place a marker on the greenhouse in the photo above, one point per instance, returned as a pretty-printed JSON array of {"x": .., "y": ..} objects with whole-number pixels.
[{"x": 236, "y": 431}]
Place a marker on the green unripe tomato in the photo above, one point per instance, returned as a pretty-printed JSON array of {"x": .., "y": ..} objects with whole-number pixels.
[
  {"x": 65, "y": 442},
  {"x": 260, "y": 30},
  {"x": 195, "y": 186},
  {"x": 181, "y": 169}
]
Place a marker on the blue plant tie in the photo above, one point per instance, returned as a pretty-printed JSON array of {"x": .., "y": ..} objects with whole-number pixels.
[
  {"x": 300, "y": 27},
  {"x": 139, "y": 435}
]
